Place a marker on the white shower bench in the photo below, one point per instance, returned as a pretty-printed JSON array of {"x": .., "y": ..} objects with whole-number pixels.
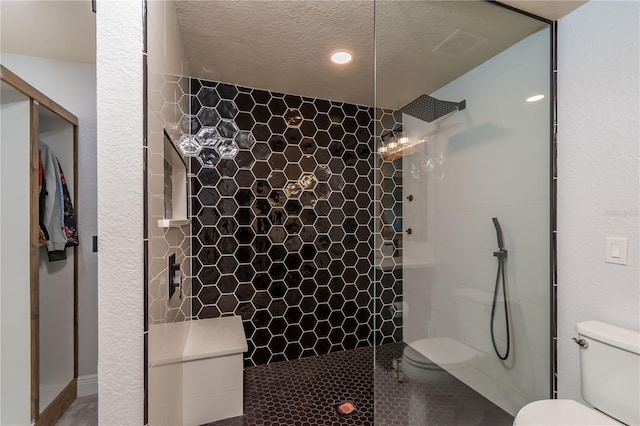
[{"x": 196, "y": 371}]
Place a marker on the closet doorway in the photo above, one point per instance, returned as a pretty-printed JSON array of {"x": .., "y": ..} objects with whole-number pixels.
[{"x": 45, "y": 139}]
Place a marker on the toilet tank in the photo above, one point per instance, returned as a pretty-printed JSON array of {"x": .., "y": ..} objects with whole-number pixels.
[{"x": 610, "y": 370}]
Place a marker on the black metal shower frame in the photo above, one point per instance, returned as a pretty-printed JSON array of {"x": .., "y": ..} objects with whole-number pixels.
[{"x": 553, "y": 195}]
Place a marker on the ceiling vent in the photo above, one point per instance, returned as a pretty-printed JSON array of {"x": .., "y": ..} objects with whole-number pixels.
[{"x": 458, "y": 44}]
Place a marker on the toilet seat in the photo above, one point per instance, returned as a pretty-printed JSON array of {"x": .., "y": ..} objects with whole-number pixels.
[
  {"x": 558, "y": 412},
  {"x": 438, "y": 351}
]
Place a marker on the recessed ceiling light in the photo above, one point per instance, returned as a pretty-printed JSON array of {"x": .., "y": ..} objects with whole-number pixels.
[
  {"x": 535, "y": 98},
  {"x": 341, "y": 57}
]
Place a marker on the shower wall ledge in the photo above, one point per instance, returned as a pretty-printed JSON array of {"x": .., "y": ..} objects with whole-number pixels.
[
  {"x": 173, "y": 223},
  {"x": 190, "y": 340},
  {"x": 393, "y": 263}
]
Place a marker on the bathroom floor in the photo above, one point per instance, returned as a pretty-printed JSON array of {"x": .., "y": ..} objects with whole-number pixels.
[
  {"x": 306, "y": 392},
  {"x": 83, "y": 412}
]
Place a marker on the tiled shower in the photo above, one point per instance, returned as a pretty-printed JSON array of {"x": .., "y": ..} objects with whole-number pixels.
[
  {"x": 336, "y": 230},
  {"x": 282, "y": 191}
]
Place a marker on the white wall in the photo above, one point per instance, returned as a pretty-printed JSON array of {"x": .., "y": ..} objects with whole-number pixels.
[
  {"x": 61, "y": 29},
  {"x": 599, "y": 173},
  {"x": 495, "y": 164},
  {"x": 120, "y": 213},
  {"x": 15, "y": 333},
  {"x": 73, "y": 85}
]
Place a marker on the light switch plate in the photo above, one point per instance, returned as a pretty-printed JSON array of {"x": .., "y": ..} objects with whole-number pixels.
[{"x": 617, "y": 250}]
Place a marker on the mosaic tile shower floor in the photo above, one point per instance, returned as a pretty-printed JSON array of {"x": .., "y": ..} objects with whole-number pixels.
[{"x": 304, "y": 392}]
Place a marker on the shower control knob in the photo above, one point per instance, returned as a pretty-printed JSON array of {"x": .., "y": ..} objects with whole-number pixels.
[
  {"x": 410, "y": 198},
  {"x": 409, "y": 231}
]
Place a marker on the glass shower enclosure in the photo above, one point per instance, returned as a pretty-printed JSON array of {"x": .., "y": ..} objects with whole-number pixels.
[
  {"x": 464, "y": 184},
  {"x": 381, "y": 231}
]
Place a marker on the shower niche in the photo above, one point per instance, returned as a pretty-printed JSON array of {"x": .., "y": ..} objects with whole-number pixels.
[{"x": 175, "y": 194}]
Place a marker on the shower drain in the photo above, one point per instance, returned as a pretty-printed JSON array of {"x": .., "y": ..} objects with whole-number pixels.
[{"x": 346, "y": 408}]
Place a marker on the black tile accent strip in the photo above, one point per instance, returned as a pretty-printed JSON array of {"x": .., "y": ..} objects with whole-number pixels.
[
  {"x": 145, "y": 225},
  {"x": 554, "y": 213}
]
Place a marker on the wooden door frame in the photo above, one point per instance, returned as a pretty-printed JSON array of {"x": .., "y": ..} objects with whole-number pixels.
[{"x": 52, "y": 413}]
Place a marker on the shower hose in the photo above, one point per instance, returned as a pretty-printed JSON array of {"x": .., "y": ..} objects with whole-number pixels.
[{"x": 501, "y": 254}]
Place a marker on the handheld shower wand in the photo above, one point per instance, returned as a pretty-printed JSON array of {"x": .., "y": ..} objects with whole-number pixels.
[
  {"x": 501, "y": 254},
  {"x": 498, "y": 233}
]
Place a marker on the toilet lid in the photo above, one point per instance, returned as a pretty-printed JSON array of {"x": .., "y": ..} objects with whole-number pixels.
[
  {"x": 555, "y": 412},
  {"x": 439, "y": 350}
]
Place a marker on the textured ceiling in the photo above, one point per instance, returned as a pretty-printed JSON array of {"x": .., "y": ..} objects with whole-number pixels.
[
  {"x": 64, "y": 30},
  {"x": 285, "y": 45},
  {"x": 282, "y": 45}
]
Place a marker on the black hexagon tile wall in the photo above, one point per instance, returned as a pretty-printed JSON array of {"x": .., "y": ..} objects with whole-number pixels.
[{"x": 282, "y": 205}]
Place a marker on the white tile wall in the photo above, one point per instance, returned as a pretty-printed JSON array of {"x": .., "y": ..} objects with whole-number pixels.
[
  {"x": 496, "y": 164},
  {"x": 165, "y": 56}
]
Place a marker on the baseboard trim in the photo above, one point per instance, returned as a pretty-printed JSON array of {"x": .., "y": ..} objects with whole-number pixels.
[{"x": 87, "y": 385}]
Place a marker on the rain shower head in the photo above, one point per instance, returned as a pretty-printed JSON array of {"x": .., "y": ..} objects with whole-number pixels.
[{"x": 430, "y": 109}]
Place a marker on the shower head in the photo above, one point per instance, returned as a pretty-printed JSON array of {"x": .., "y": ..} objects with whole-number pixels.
[{"x": 430, "y": 109}]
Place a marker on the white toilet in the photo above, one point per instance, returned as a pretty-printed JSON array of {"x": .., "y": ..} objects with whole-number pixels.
[
  {"x": 610, "y": 375},
  {"x": 427, "y": 359}
]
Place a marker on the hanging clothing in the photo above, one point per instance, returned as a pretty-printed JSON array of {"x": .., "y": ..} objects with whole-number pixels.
[
  {"x": 69, "y": 213},
  {"x": 58, "y": 216},
  {"x": 42, "y": 194}
]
